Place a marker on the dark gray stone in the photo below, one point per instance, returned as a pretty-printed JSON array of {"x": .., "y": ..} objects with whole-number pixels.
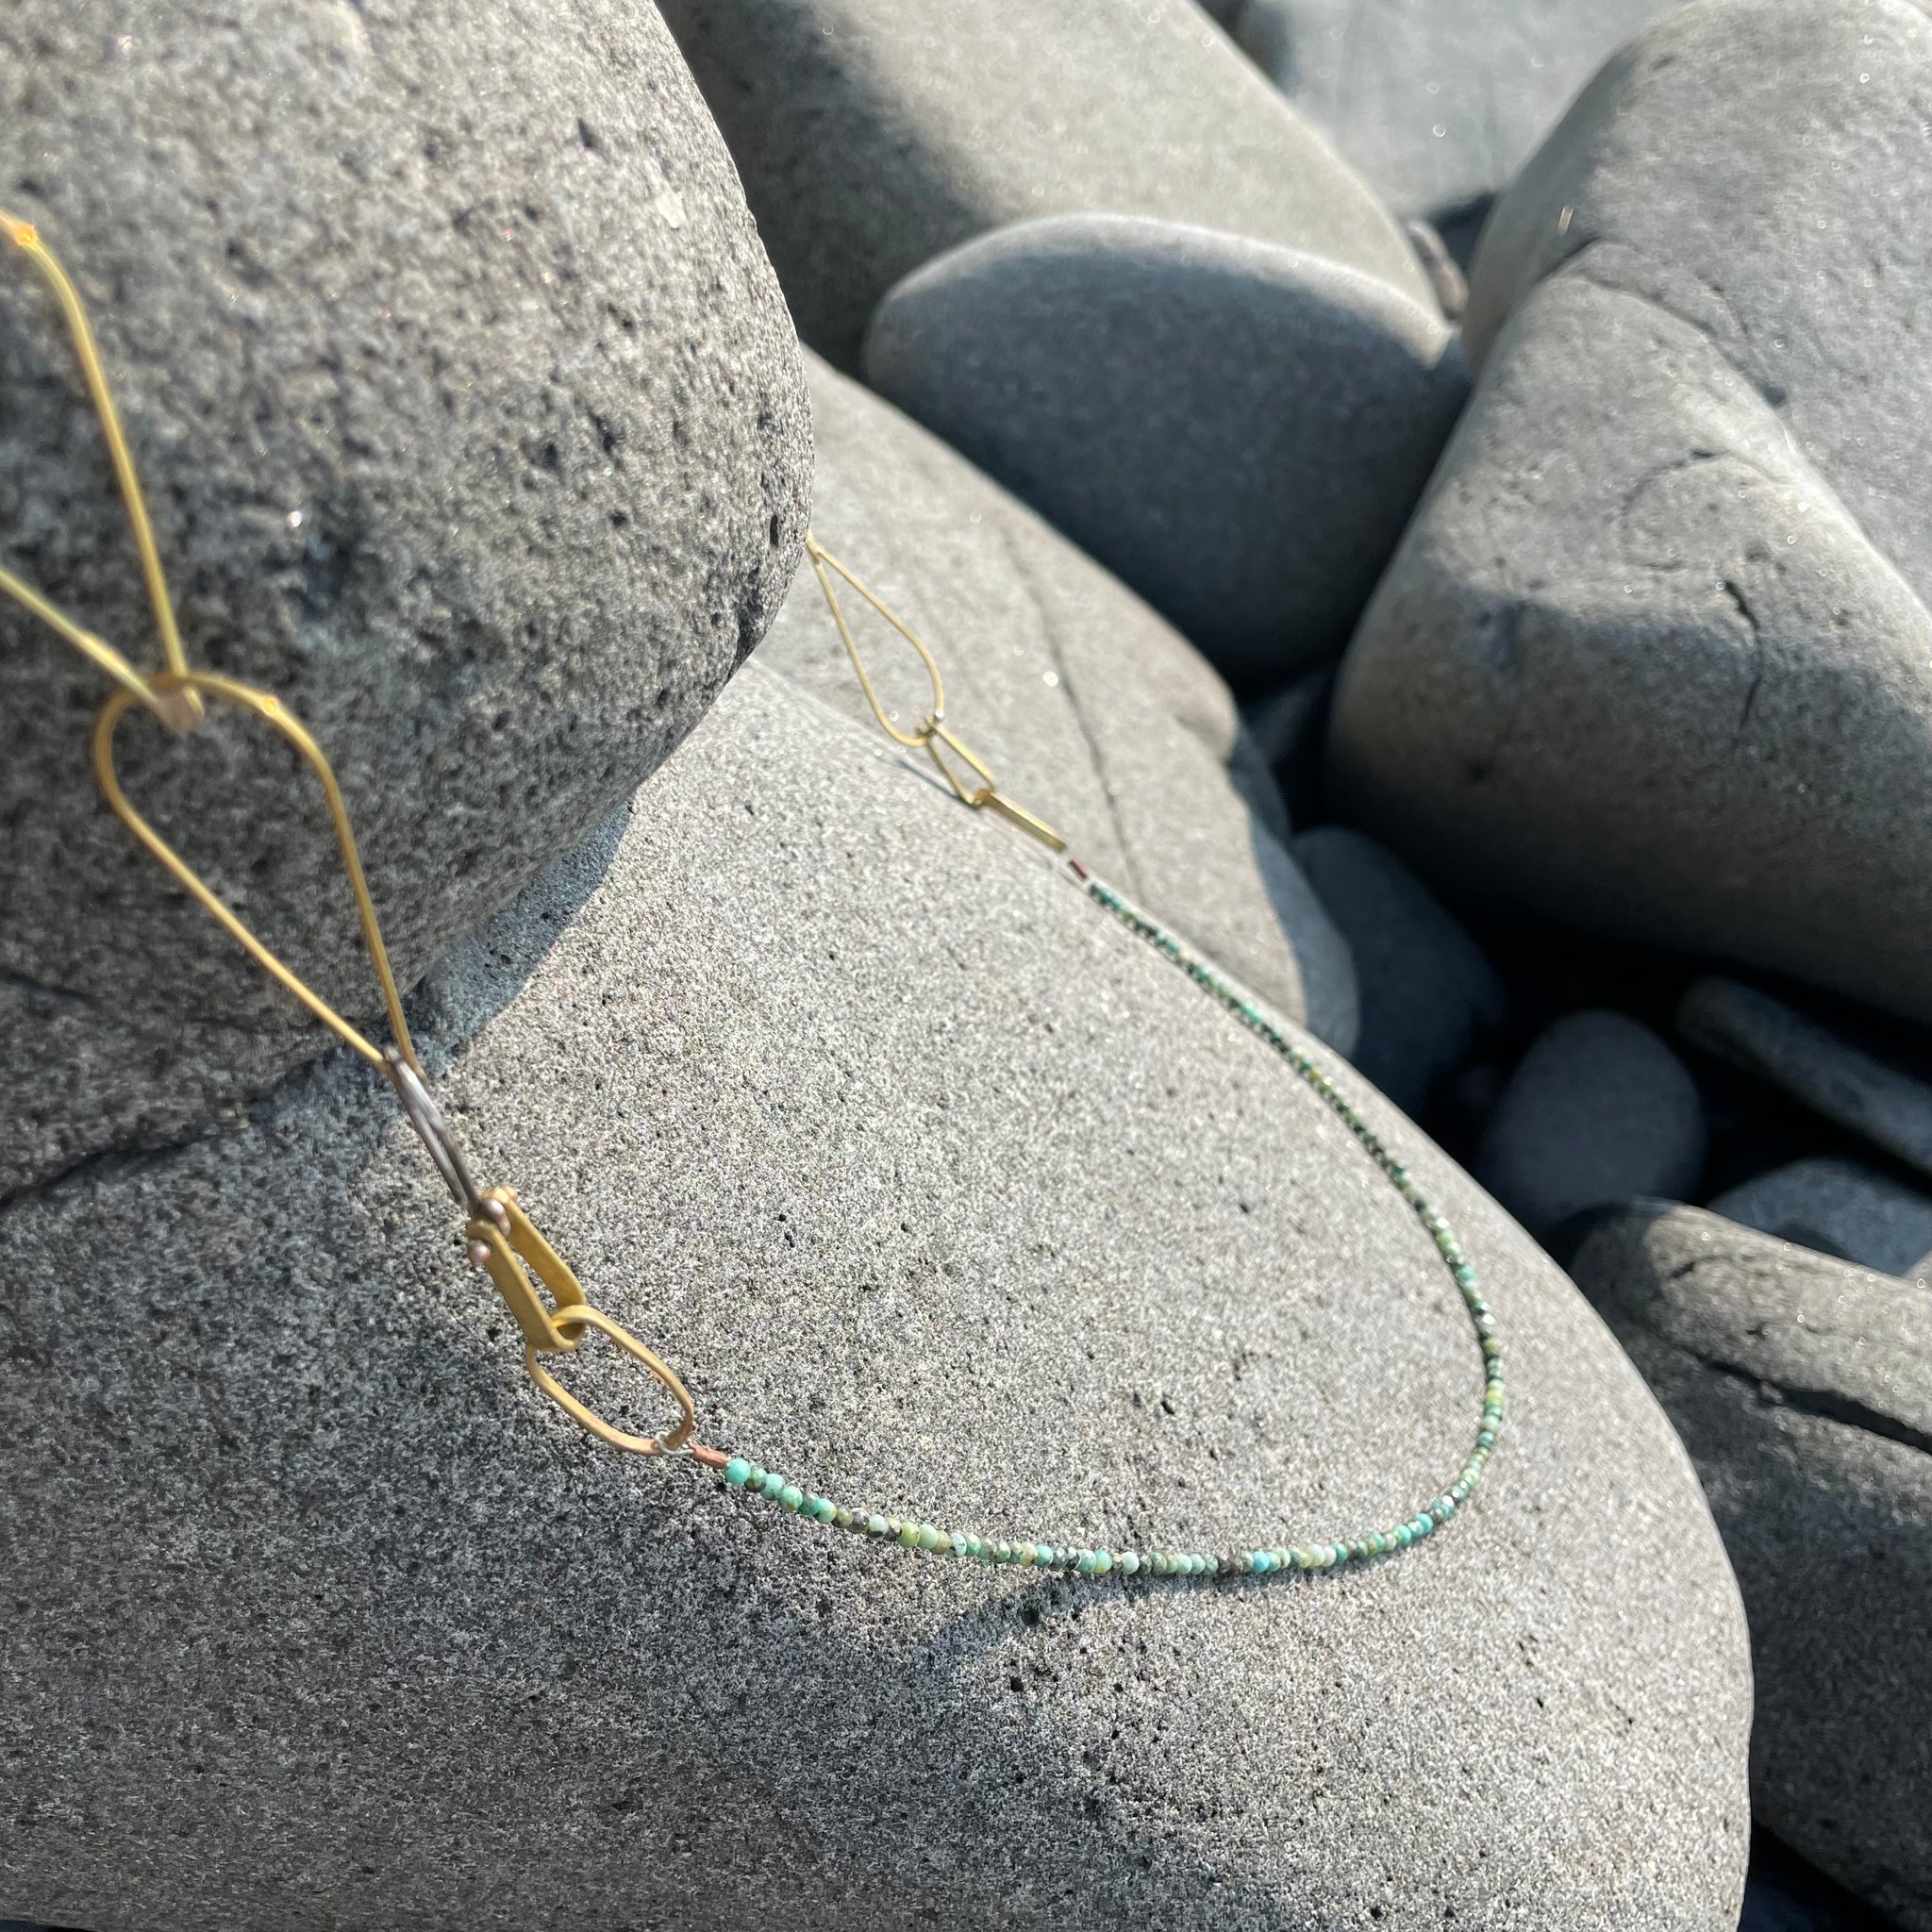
[
  {"x": 1424, "y": 986},
  {"x": 1802, "y": 1387},
  {"x": 472, "y": 424},
  {"x": 1598, "y": 1109},
  {"x": 1888, "y": 1106},
  {"x": 1237, "y": 430},
  {"x": 1290, "y": 728},
  {"x": 948, "y": 1193},
  {"x": 873, "y": 134},
  {"x": 1837, "y": 1207},
  {"x": 1089, "y": 709},
  {"x": 1439, "y": 264},
  {"x": 1654, "y": 657},
  {"x": 1437, "y": 103}
]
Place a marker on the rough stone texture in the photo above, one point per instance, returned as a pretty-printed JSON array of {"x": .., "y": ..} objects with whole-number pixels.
[
  {"x": 943, "y": 1191},
  {"x": 1837, "y": 1207},
  {"x": 1802, "y": 1387},
  {"x": 1090, "y": 710},
  {"x": 1598, "y": 1109},
  {"x": 1438, "y": 101},
  {"x": 472, "y": 423},
  {"x": 1889, "y": 1107},
  {"x": 1237, "y": 430},
  {"x": 1425, "y": 988},
  {"x": 873, "y": 134},
  {"x": 1671, "y": 569}
]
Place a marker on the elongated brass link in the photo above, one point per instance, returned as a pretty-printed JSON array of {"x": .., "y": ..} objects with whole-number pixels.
[
  {"x": 821, "y": 562},
  {"x": 932, "y": 735},
  {"x": 183, "y": 714},
  {"x": 272, "y": 711}
]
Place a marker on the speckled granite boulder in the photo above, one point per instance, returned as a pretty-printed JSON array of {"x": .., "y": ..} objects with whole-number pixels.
[
  {"x": 1655, "y": 656},
  {"x": 1802, "y": 1387},
  {"x": 472, "y": 422},
  {"x": 1237, "y": 429},
  {"x": 944, "y": 1191},
  {"x": 1089, "y": 709},
  {"x": 873, "y": 134}
]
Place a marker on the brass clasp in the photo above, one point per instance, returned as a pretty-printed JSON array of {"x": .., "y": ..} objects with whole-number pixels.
[{"x": 502, "y": 1239}]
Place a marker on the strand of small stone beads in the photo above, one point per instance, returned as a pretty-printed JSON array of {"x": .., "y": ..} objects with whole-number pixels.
[{"x": 907, "y": 1533}]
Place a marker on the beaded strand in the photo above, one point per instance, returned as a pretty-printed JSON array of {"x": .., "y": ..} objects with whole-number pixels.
[{"x": 910, "y": 1533}]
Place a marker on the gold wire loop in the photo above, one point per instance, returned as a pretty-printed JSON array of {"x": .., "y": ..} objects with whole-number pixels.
[
  {"x": 206, "y": 684},
  {"x": 671, "y": 1442},
  {"x": 179, "y": 709},
  {"x": 823, "y": 562},
  {"x": 932, "y": 736}
]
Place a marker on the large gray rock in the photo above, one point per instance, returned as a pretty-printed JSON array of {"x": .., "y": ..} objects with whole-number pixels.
[
  {"x": 1091, "y": 712},
  {"x": 1654, "y": 657},
  {"x": 1839, "y": 1208},
  {"x": 1599, "y": 1109},
  {"x": 472, "y": 424},
  {"x": 1887, "y": 1106},
  {"x": 1427, "y": 990},
  {"x": 873, "y": 134},
  {"x": 1439, "y": 103},
  {"x": 1802, "y": 1387},
  {"x": 947, "y": 1193},
  {"x": 1237, "y": 429}
]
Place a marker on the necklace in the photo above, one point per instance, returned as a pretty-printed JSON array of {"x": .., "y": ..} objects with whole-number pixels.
[{"x": 551, "y": 1311}]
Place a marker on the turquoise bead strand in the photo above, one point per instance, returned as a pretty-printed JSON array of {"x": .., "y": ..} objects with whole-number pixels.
[{"x": 912, "y": 1534}]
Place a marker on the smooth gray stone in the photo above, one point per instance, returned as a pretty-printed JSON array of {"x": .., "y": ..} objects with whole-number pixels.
[
  {"x": 1237, "y": 430},
  {"x": 1444, "y": 271},
  {"x": 1837, "y": 1207},
  {"x": 948, "y": 1195},
  {"x": 1290, "y": 728},
  {"x": 1425, "y": 987},
  {"x": 472, "y": 424},
  {"x": 1802, "y": 1387},
  {"x": 873, "y": 134},
  {"x": 1088, "y": 710},
  {"x": 1598, "y": 1109},
  {"x": 1440, "y": 103},
  {"x": 1654, "y": 657},
  {"x": 1810, "y": 1062}
]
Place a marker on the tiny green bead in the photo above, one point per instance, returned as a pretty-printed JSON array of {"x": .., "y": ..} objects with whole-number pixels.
[
  {"x": 1129, "y": 1563},
  {"x": 772, "y": 1483},
  {"x": 908, "y": 1536},
  {"x": 791, "y": 1496},
  {"x": 738, "y": 1471},
  {"x": 926, "y": 1536},
  {"x": 1043, "y": 1554}
]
